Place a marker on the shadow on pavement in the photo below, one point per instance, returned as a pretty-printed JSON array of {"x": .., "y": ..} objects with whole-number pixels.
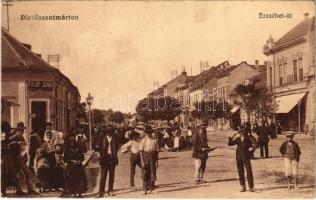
[
  {"x": 223, "y": 180},
  {"x": 166, "y": 158},
  {"x": 283, "y": 187},
  {"x": 183, "y": 188},
  {"x": 216, "y": 156}
]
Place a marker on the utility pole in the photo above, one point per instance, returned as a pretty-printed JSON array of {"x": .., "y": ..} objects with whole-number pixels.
[
  {"x": 299, "y": 116},
  {"x": 7, "y": 4}
]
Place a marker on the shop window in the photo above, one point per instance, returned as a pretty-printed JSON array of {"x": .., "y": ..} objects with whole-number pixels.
[
  {"x": 300, "y": 66},
  {"x": 295, "y": 70},
  {"x": 301, "y": 76},
  {"x": 281, "y": 74}
]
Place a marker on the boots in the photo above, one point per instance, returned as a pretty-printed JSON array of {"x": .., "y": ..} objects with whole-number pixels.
[{"x": 289, "y": 182}]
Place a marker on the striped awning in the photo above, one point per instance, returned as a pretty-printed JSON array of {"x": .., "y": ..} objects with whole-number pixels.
[{"x": 287, "y": 102}]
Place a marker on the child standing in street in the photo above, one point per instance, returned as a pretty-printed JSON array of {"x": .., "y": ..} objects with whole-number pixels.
[{"x": 291, "y": 152}]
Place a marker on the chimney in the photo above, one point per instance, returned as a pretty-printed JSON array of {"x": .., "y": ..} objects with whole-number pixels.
[
  {"x": 306, "y": 16},
  {"x": 257, "y": 65},
  {"x": 257, "y": 62}
]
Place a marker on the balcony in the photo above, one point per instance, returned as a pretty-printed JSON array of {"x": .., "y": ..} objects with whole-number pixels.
[{"x": 291, "y": 87}]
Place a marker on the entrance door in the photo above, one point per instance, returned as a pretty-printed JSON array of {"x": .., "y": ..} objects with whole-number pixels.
[{"x": 38, "y": 110}]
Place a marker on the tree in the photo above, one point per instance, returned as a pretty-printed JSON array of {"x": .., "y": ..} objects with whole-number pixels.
[
  {"x": 97, "y": 115},
  {"x": 81, "y": 110},
  {"x": 249, "y": 97},
  {"x": 259, "y": 101},
  {"x": 206, "y": 110},
  {"x": 117, "y": 117},
  {"x": 266, "y": 106},
  {"x": 159, "y": 108}
]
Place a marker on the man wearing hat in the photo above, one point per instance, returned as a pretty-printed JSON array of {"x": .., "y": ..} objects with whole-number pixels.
[
  {"x": 245, "y": 147},
  {"x": 148, "y": 149},
  {"x": 132, "y": 146},
  {"x": 200, "y": 152},
  {"x": 108, "y": 159},
  {"x": 21, "y": 157},
  {"x": 291, "y": 152},
  {"x": 8, "y": 169}
]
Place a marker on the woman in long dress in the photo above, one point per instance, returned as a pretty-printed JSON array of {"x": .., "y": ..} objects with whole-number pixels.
[
  {"x": 76, "y": 179},
  {"x": 49, "y": 153}
]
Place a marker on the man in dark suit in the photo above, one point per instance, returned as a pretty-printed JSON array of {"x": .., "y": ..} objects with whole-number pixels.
[
  {"x": 200, "y": 153},
  {"x": 245, "y": 147},
  {"x": 108, "y": 148},
  {"x": 263, "y": 140}
]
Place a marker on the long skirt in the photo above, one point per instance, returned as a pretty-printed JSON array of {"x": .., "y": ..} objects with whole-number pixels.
[
  {"x": 44, "y": 176},
  {"x": 75, "y": 179}
]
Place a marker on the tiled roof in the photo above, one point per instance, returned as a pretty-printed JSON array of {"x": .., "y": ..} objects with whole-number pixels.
[
  {"x": 298, "y": 31},
  {"x": 17, "y": 54}
]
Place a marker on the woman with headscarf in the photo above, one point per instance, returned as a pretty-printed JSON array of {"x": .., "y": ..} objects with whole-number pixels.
[{"x": 49, "y": 153}]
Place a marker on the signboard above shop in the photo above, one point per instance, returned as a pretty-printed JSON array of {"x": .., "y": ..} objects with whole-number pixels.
[{"x": 40, "y": 85}]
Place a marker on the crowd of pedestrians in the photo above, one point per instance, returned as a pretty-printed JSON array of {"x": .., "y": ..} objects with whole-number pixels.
[
  {"x": 53, "y": 161},
  {"x": 56, "y": 158}
]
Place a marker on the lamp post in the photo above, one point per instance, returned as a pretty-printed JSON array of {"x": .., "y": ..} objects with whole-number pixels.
[{"x": 89, "y": 100}]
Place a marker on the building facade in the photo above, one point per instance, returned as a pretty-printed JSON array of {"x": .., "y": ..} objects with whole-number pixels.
[
  {"x": 291, "y": 76},
  {"x": 42, "y": 92}
]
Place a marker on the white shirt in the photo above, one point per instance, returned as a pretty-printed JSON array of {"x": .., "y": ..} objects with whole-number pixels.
[
  {"x": 132, "y": 146},
  {"x": 189, "y": 132},
  {"x": 109, "y": 146}
]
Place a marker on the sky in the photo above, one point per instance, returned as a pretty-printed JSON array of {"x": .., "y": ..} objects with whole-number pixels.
[{"x": 117, "y": 49}]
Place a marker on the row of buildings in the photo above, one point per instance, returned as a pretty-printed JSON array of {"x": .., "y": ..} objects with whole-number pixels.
[
  {"x": 33, "y": 91},
  {"x": 288, "y": 74}
]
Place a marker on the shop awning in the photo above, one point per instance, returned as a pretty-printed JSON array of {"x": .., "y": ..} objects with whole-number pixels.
[
  {"x": 234, "y": 109},
  {"x": 9, "y": 103},
  {"x": 286, "y": 103}
]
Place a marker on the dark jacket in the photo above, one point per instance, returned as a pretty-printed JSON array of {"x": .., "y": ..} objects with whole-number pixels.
[
  {"x": 263, "y": 136},
  {"x": 297, "y": 151},
  {"x": 104, "y": 158},
  {"x": 242, "y": 151},
  {"x": 199, "y": 141},
  {"x": 35, "y": 143}
]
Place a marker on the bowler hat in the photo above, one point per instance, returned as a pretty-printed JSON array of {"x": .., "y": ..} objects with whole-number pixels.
[
  {"x": 202, "y": 124},
  {"x": 20, "y": 125},
  {"x": 289, "y": 135}
]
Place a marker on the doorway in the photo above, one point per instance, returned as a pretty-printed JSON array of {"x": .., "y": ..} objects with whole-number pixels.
[{"x": 39, "y": 113}]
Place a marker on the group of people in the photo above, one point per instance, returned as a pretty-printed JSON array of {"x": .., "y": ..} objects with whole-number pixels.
[
  {"x": 246, "y": 145},
  {"x": 143, "y": 148},
  {"x": 55, "y": 161}
]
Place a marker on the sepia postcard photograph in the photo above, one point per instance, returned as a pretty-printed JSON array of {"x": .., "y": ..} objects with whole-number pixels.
[{"x": 158, "y": 99}]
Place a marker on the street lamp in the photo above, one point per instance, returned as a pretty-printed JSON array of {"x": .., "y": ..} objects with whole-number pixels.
[{"x": 89, "y": 100}]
